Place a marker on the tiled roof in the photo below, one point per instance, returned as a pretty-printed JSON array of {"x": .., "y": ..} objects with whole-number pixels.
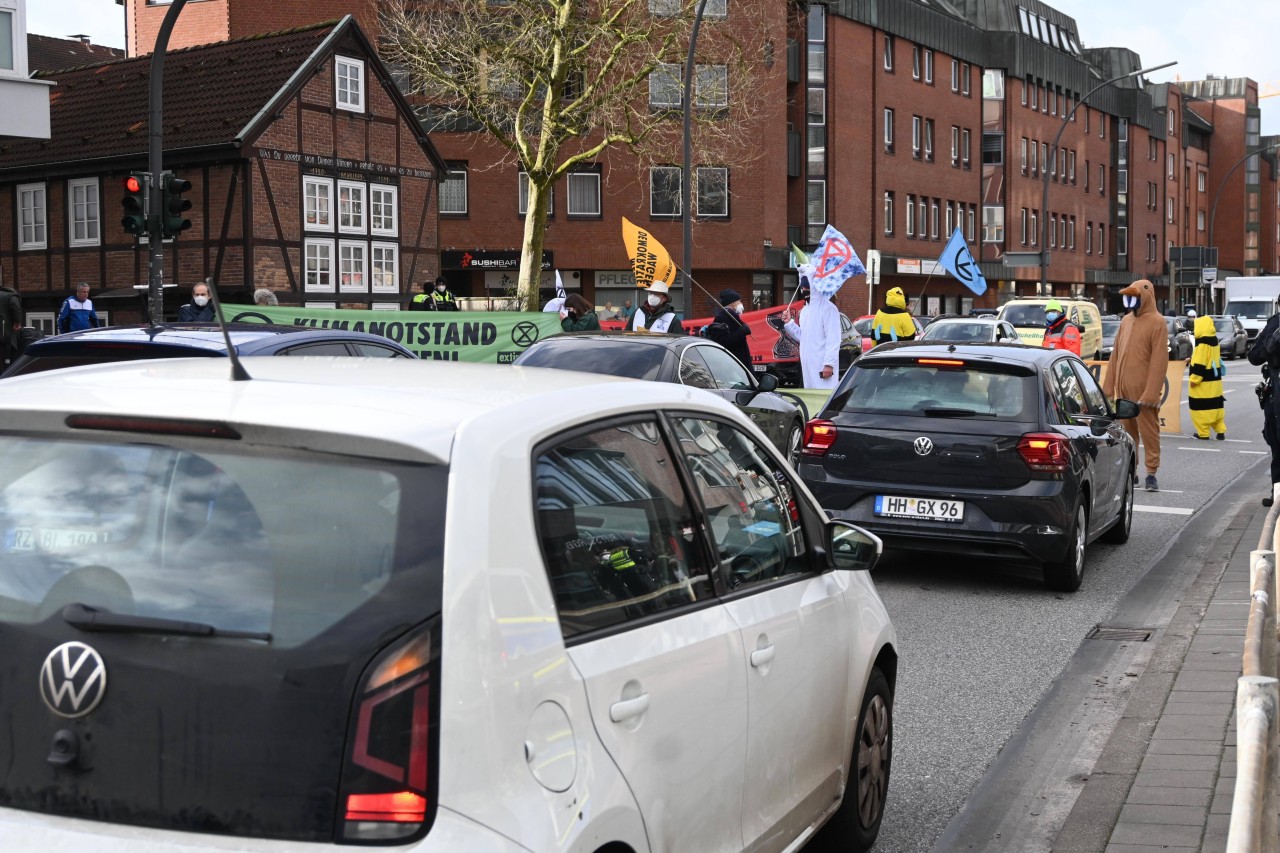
[
  {"x": 211, "y": 93},
  {"x": 46, "y": 53}
]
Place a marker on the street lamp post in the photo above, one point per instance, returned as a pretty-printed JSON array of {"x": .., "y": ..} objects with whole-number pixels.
[
  {"x": 686, "y": 177},
  {"x": 1053, "y": 153},
  {"x": 1213, "y": 211}
]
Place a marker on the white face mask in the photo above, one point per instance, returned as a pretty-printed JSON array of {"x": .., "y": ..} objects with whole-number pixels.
[
  {"x": 654, "y": 300},
  {"x": 200, "y": 301},
  {"x": 737, "y": 309},
  {"x": 1130, "y": 301},
  {"x": 440, "y": 288}
]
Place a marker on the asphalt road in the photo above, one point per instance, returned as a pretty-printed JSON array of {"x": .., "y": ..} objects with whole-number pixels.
[{"x": 981, "y": 644}]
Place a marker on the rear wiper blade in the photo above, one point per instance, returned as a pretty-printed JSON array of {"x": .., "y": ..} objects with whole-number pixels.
[
  {"x": 952, "y": 413},
  {"x": 87, "y": 618}
]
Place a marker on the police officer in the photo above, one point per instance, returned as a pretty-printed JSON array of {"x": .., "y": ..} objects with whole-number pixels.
[
  {"x": 1058, "y": 332},
  {"x": 1265, "y": 353},
  {"x": 439, "y": 299}
]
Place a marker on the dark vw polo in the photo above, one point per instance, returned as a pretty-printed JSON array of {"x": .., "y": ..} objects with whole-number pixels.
[{"x": 988, "y": 450}]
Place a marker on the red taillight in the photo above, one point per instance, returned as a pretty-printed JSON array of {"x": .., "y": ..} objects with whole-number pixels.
[
  {"x": 400, "y": 807},
  {"x": 388, "y": 787},
  {"x": 819, "y": 435},
  {"x": 941, "y": 362},
  {"x": 1045, "y": 452}
]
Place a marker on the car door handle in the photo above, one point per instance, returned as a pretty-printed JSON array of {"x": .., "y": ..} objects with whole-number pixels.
[
  {"x": 760, "y": 657},
  {"x": 628, "y": 708}
]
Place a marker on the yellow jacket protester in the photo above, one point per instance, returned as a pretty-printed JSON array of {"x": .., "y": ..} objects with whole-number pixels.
[
  {"x": 893, "y": 322},
  {"x": 1204, "y": 393}
]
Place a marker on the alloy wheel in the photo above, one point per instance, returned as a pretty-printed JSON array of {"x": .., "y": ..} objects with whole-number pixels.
[{"x": 873, "y": 757}]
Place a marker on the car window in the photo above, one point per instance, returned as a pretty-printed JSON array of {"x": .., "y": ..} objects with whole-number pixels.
[
  {"x": 326, "y": 348},
  {"x": 369, "y": 350},
  {"x": 846, "y": 325},
  {"x": 1095, "y": 400},
  {"x": 726, "y": 370},
  {"x": 863, "y": 326},
  {"x": 616, "y": 528},
  {"x": 749, "y": 501},
  {"x": 634, "y": 360},
  {"x": 1010, "y": 333},
  {"x": 958, "y": 331},
  {"x": 1070, "y": 394},
  {"x": 228, "y": 539},
  {"x": 973, "y": 391},
  {"x": 1031, "y": 314},
  {"x": 1110, "y": 327},
  {"x": 694, "y": 371}
]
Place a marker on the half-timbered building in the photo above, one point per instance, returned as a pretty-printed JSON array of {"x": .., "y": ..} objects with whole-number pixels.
[{"x": 310, "y": 176}]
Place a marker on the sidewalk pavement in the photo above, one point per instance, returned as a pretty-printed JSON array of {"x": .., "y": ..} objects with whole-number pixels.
[{"x": 1165, "y": 779}]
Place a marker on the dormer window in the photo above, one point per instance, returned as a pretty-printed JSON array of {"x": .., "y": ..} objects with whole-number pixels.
[{"x": 350, "y": 84}]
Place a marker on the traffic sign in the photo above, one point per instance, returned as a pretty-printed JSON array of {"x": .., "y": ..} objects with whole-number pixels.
[
  {"x": 1209, "y": 275},
  {"x": 1022, "y": 259}
]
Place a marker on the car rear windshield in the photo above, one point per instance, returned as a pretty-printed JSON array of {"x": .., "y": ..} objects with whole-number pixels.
[
  {"x": 958, "y": 332},
  {"x": 1024, "y": 315},
  {"x": 610, "y": 358},
  {"x": 973, "y": 391},
  {"x": 1225, "y": 328},
  {"x": 1109, "y": 327},
  {"x": 284, "y": 543},
  {"x": 78, "y": 356}
]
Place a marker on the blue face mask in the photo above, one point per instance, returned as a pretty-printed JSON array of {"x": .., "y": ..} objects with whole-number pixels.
[{"x": 1052, "y": 316}]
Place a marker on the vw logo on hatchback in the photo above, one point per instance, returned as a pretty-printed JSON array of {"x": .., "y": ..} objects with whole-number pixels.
[
  {"x": 73, "y": 680},
  {"x": 923, "y": 446}
]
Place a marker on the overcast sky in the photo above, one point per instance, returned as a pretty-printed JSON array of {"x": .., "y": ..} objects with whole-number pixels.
[{"x": 1233, "y": 38}]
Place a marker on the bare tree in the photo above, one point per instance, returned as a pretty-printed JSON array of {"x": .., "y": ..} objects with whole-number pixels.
[{"x": 558, "y": 83}]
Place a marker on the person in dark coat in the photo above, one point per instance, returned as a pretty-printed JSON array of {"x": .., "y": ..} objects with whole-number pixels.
[
  {"x": 727, "y": 328},
  {"x": 1265, "y": 353},
  {"x": 199, "y": 309},
  {"x": 578, "y": 316}
]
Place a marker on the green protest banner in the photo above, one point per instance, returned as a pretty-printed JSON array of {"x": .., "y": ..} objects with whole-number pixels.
[{"x": 491, "y": 337}]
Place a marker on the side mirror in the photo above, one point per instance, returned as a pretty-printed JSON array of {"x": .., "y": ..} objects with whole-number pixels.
[
  {"x": 852, "y": 548},
  {"x": 1126, "y": 409},
  {"x": 768, "y": 382}
]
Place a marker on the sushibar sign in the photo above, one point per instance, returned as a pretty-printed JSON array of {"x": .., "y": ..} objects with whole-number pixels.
[{"x": 490, "y": 337}]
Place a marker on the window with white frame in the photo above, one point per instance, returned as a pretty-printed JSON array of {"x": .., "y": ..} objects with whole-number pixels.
[
  {"x": 349, "y": 76},
  {"x": 713, "y": 191},
  {"x": 45, "y": 321},
  {"x": 711, "y": 86},
  {"x": 950, "y": 220},
  {"x": 522, "y": 183},
  {"x": 915, "y": 136},
  {"x": 955, "y": 75},
  {"x": 888, "y": 52},
  {"x": 992, "y": 223},
  {"x": 1200, "y": 181},
  {"x": 351, "y": 200},
  {"x": 933, "y": 220},
  {"x": 664, "y": 190},
  {"x": 453, "y": 191},
  {"x": 1199, "y": 220},
  {"x": 352, "y": 257},
  {"x": 33, "y": 228},
  {"x": 911, "y": 216},
  {"x": 384, "y": 259},
  {"x": 383, "y": 204},
  {"x": 955, "y": 146},
  {"x": 664, "y": 86},
  {"x": 970, "y": 217},
  {"x": 1169, "y": 209},
  {"x": 928, "y": 139},
  {"x": 888, "y": 212},
  {"x": 317, "y": 203},
  {"x": 964, "y": 147},
  {"x": 928, "y": 65},
  {"x": 85, "y": 215},
  {"x": 318, "y": 271},
  {"x": 584, "y": 193},
  {"x": 888, "y": 130},
  {"x": 815, "y": 210},
  {"x": 1024, "y": 227}
]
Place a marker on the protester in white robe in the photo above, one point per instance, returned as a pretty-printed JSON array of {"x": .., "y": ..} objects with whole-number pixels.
[{"x": 818, "y": 332}]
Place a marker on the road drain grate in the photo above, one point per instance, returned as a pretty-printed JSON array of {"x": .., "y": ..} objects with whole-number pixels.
[{"x": 1106, "y": 632}]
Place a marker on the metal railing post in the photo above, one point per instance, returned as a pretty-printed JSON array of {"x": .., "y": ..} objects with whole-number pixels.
[{"x": 1257, "y": 698}]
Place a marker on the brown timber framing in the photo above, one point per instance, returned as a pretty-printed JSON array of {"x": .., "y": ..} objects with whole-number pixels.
[
  {"x": 275, "y": 220},
  {"x": 226, "y": 219}
]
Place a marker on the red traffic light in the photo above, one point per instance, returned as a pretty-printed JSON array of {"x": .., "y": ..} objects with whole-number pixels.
[{"x": 132, "y": 184}]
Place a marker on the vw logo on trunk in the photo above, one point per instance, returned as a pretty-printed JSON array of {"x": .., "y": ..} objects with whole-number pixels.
[
  {"x": 923, "y": 446},
  {"x": 73, "y": 680}
]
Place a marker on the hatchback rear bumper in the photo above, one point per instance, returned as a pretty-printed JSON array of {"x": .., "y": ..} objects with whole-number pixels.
[{"x": 1027, "y": 524}]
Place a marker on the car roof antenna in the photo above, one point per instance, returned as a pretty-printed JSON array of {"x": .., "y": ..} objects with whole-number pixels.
[{"x": 238, "y": 373}]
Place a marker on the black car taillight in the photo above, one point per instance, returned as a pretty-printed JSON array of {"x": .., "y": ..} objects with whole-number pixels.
[
  {"x": 819, "y": 435},
  {"x": 390, "y": 778},
  {"x": 1045, "y": 452}
]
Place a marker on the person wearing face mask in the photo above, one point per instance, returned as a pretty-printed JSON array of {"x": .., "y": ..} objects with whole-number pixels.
[
  {"x": 818, "y": 332},
  {"x": 200, "y": 308},
  {"x": 1058, "y": 333},
  {"x": 655, "y": 313},
  {"x": 1139, "y": 363},
  {"x": 578, "y": 316},
  {"x": 434, "y": 299},
  {"x": 727, "y": 328}
]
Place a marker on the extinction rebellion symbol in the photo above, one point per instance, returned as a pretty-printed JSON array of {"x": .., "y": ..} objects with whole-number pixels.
[
  {"x": 524, "y": 334},
  {"x": 73, "y": 680}
]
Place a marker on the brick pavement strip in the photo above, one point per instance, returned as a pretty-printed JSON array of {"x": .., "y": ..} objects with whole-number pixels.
[{"x": 1158, "y": 784}]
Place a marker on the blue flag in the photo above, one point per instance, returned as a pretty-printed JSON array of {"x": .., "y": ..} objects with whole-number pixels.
[
  {"x": 957, "y": 261},
  {"x": 833, "y": 262}
]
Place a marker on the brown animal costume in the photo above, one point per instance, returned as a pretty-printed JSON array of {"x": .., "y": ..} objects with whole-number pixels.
[{"x": 1139, "y": 363}]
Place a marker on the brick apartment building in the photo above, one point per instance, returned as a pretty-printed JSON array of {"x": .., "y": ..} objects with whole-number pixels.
[
  {"x": 898, "y": 120},
  {"x": 309, "y": 172}
]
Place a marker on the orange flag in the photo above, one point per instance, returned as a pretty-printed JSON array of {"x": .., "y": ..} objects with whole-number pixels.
[{"x": 650, "y": 261}]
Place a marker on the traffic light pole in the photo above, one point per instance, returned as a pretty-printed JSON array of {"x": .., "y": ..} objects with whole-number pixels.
[{"x": 155, "y": 236}]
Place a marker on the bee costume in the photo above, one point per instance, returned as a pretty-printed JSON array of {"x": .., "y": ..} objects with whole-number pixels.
[{"x": 1204, "y": 394}]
